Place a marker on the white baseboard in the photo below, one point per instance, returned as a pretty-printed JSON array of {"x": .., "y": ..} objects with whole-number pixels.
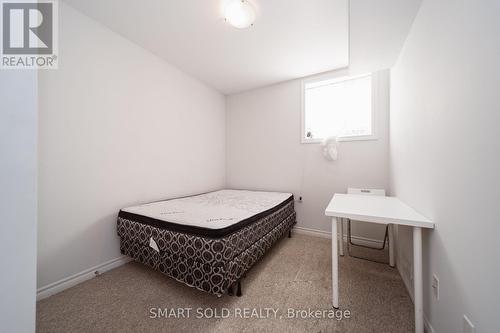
[
  {"x": 312, "y": 232},
  {"x": 326, "y": 234},
  {"x": 73, "y": 280},
  {"x": 405, "y": 270},
  {"x": 427, "y": 325}
]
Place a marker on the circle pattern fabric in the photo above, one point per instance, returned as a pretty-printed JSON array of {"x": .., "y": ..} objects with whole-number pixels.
[{"x": 208, "y": 264}]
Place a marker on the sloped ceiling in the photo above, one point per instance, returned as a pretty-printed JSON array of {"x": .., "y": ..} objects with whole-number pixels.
[{"x": 378, "y": 30}]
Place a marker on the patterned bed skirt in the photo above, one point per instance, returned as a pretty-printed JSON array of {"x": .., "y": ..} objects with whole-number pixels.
[{"x": 210, "y": 265}]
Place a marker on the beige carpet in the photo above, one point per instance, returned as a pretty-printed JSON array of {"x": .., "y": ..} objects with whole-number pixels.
[{"x": 294, "y": 274}]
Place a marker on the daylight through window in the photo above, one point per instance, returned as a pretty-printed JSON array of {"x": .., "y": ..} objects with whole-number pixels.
[{"x": 337, "y": 107}]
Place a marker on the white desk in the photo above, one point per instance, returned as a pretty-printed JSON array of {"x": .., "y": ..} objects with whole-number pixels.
[{"x": 384, "y": 210}]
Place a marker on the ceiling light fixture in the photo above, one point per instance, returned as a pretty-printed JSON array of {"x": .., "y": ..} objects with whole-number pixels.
[{"x": 239, "y": 13}]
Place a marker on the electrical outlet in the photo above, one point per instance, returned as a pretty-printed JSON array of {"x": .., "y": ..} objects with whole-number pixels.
[
  {"x": 468, "y": 326},
  {"x": 435, "y": 287}
]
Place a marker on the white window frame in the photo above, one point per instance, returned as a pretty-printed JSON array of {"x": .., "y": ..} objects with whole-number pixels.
[{"x": 336, "y": 77}]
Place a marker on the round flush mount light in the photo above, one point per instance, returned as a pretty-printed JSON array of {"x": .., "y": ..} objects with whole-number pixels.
[{"x": 239, "y": 13}]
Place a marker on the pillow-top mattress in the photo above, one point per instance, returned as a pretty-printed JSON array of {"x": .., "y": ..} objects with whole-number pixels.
[{"x": 213, "y": 214}]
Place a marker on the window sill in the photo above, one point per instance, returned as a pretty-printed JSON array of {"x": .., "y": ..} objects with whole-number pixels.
[{"x": 343, "y": 139}]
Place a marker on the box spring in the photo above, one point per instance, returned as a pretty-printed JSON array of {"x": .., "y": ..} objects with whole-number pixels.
[{"x": 206, "y": 263}]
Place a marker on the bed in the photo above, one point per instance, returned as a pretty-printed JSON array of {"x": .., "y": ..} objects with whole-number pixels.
[{"x": 207, "y": 241}]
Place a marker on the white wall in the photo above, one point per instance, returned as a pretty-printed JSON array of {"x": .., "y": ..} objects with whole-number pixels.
[
  {"x": 445, "y": 155},
  {"x": 264, "y": 152},
  {"x": 118, "y": 127},
  {"x": 18, "y": 199}
]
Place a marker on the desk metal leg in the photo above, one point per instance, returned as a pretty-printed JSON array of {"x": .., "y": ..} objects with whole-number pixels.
[
  {"x": 335, "y": 265},
  {"x": 341, "y": 236},
  {"x": 417, "y": 279},
  {"x": 391, "y": 245}
]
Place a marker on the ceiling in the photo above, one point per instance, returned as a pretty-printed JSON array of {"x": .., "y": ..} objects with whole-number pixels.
[{"x": 290, "y": 38}]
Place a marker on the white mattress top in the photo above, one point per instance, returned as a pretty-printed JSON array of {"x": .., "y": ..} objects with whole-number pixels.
[{"x": 213, "y": 210}]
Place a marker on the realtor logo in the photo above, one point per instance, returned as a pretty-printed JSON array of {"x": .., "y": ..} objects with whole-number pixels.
[{"x": 29, "y": 34}]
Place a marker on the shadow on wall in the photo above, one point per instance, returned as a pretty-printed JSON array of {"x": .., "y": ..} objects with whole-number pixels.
[
  {"x": 450, "y": 287},
  {"x": 57, "y": 260}
]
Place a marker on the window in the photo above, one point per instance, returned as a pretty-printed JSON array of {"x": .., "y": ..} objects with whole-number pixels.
[{"x": 339, "y": 107}]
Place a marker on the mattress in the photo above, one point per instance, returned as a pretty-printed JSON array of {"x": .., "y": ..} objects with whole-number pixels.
[{"x": 215, "y": 214}]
